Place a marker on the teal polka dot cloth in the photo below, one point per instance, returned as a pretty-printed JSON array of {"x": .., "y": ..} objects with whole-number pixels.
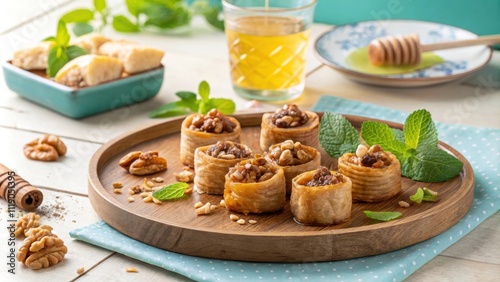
[{"x": 479, "y": 145}]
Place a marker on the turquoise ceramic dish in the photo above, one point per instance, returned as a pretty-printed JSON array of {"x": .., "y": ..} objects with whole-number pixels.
[{"x": 83, "y": 102}]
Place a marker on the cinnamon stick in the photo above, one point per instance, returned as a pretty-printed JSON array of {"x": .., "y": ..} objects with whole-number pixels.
[{"x": 17, "y": 191}]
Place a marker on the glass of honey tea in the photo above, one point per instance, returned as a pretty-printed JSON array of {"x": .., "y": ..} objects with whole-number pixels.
[{"x": 267, "y": 42}]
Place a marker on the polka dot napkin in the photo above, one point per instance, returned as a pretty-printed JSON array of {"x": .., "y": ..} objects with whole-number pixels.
[{"x": 479, "y": 145}]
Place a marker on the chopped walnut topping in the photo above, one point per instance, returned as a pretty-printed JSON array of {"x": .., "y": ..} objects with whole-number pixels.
[
  {"x": 289, "y": 153},
  {"x": 135, "y": 189},
  {"x": 213, "y": 122},
  {"x": 289, "y": 116},
  {"x": 370, "y": 157},
  {"x": 323, "y": 176},
  {"x": 253, "y": 170},
  {"x": 229, "y": 150}
]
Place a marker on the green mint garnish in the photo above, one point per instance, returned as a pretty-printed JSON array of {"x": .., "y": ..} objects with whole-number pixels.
[
  {"x": 337, "y": 135},
  {"x": 382, "y": 216},
  {"x": 418, "y": 196},
  {"x": 425, "y": 195},
  {"x": 172, "y": 191},
  {"x": 189, "y": 103},
  {"x": 416, "y": 150}
]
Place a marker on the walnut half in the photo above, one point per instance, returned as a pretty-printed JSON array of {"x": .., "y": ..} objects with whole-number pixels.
[
  {"x": 41, "y": 248},
  {"x": 140, "y": 163},
  {"x": 48, "y": 148},
  {"x": 25, "y": 223}
]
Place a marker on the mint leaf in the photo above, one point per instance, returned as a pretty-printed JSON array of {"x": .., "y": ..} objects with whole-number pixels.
[
  {"x": 419, "y": 130},
  {"x": 169, "y": 110},
  {"x": 57, "y": 58},
  {"x": 186, "y": 96},
  {"x": 100, "y": 5},
  {"x": 50, "y": 38},
  {"x": 429, "y": 195},
  {"x": 337, "y": 135},
  {"x": 398, "y": 135},
  {"x": 123, "y": 24},
  {"x": 381, "y": 134},
  {"x": 166, "y": 16},
  {"x": 78, "y": 15},
  {"x": 204, "y": 91},
  {"x": 75, "y": 51},
  {"x": 135, "y": 6},
  {"x": 212, "y": 16},
  {"x": 172, "y": 191},
  {"x": 382, "y": 216},
  {"x": 225, "y": 106},
  {"x": 431, "y": 164},
  {"x": 418, "y": 196},
  {"x": 80, "y": 29},
  {"x": 62, "y": 35}
]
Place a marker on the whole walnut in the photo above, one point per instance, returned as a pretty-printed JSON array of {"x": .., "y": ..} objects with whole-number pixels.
[{"x": 41, "y": 248}]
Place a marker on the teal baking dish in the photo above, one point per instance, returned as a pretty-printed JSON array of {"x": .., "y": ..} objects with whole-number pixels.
[{"x": 86, "y": 101}]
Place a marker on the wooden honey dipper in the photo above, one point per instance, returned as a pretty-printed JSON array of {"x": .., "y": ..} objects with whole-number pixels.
[
  {"x": 407, "y": 50},
  {"x": 17, "y": 191}
]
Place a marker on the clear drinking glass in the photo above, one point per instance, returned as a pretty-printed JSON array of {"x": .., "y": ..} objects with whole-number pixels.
[{"x": 267, "y": 42}]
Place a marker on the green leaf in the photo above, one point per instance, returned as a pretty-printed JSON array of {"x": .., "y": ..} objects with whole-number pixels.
[
  {"x": 382, "y": 216},
  {"x": 419, "y": 130},
  {"x": 337, "y": 135},
  {"x": 429, "y": 195},
  {"x": 225, "y": 106},
  {"x": 135, "y": 6},
  {"x": 80, "y": 29},
  {"x": 381, "y": 134},
  {"x": 78, "y": 15},
  {"x": 100, "y": 5},
  {"x": 186, "y": 96},
  {"x": 169, "y": 110},
  {"x": 418, "y": 196},
  {"x": 170, "y": 192},
  {"x": 75, "y": 51},
  {"x": 398, "y": 135},
  {"x": 50, "y": 38},
  {"x": 204, "y": 91},
  {"x": 431, "y": 164},
  {"x": 62, "y": 35},
  {"x": 123, "y": 24},
  {"x": 57, "y": 58},
  {"x": 212, "y": 17}
]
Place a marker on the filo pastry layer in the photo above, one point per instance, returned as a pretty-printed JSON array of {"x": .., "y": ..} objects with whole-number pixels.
[
  {"x": 372, "y": 184},
  {"x": 320, "y": 205}
]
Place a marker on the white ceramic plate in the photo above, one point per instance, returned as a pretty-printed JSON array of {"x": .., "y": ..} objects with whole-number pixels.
[{"x": 335, "y": 45}]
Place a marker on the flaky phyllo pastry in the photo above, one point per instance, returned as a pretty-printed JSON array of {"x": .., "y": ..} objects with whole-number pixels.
[
  {"x": 211, "y": 164},
  {"x": 201, "y": 130},
  {"x": 289, "y": 123},
  {"x": 375, "y": 173},
  {"x": 321, "y": 197},
  {"x": 294, "y": 158},
  {"x": 255, "y": 186}
]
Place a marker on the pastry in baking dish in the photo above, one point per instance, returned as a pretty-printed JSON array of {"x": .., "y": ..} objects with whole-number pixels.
[
  {"x": 135, "y": 57},
  {"x": 88, "y": 70},
  {"x": 211, "y": 164},
  {"x": 90, "y": 42},
  {"x": 294, "y": 158},
  {"x": 34, "y": 58},
  {"x": 375, "y": 173},
  {"x": 255, "y": 186},
  {"x": 289, "y": 123},
  {"x": 321, "y": 197},
  {"x": 199, "y": 130}
]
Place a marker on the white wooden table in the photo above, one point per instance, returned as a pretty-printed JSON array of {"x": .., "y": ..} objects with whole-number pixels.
[{"x": 201, "y": 55}]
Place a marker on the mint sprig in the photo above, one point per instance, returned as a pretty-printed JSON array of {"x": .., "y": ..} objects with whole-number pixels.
[
  {"x": 420, "y": 158},
  {"x": 170, "y": 192},
  {"x": 337, "y": 135},
  {"x": 189, "y": 103},
  {"x": 61, "y": 52},
  {"x": 382, "y": 216}
]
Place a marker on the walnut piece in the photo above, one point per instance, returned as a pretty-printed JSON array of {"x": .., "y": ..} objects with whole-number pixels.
[
  {"x": 48, "y": 148},
  {"x": 289, "y": 116},
  {"x": 41, "y": 248},
  {"x": 253, "y": 170},
  {"x": 323, "y": 176},
  {"x": 25, "y": 223},
  {"x": 139, "y": 163},
  {"x": 229, "y": 150}
]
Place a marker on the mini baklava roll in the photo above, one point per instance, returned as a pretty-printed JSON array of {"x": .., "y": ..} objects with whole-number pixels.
[
  {"x": 89, "y": 70},
  {"x": 90, "y": 42},
  {"x": 34, "y": 58},
  {"x": 289, "y": 123},
  {"x": 321, "y": 197},
  {"x": 212, "y": 163},
  {"x": 375, "y": 173},
  {"x": 294, "y": 158},
  {"x": 135, "y": 57},
  {"x": 199, "y": 130},
  {"x": 255, "y": 186}
]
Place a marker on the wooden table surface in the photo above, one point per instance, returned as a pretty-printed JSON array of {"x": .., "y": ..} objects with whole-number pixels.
[{"x": 202, "y": 55}]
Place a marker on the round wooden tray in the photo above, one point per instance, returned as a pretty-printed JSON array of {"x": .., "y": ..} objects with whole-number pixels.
[{"x": 276, "y": 237}]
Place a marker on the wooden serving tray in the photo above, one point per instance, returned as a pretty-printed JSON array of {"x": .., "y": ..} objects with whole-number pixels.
[{"x": 276, "y": 237}]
